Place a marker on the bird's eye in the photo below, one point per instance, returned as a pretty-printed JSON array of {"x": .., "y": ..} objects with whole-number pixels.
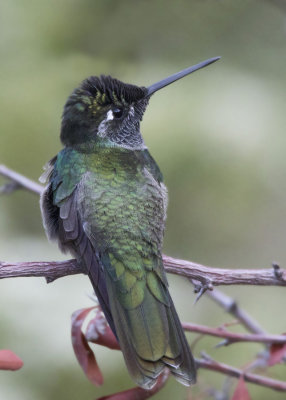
[{"x": 117, "y": 112}]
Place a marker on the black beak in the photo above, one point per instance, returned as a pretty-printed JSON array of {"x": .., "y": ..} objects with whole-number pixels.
[{"x": 167, "y": 81}]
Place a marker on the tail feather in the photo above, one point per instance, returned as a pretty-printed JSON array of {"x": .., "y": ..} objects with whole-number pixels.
[
  {"x": 142, "y": 371},
  {"x": 151, "y": 338},
  {"x": 148, "y": 328},
  {"x": 185, "y": 372}
]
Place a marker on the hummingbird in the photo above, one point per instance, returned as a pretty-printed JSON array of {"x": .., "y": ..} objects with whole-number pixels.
[{"x": 105, "y": 202}]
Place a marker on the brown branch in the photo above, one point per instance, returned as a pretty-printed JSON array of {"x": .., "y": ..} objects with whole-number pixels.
[
  {"x": 234, "y": 337},
  {"x": 52, "y": 270},
  {"x": 221, "y": 276},
  {"x": 208, "y": 363}
]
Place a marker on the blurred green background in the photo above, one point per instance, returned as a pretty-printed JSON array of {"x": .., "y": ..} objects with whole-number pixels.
[{"x": 218, "y": 136}]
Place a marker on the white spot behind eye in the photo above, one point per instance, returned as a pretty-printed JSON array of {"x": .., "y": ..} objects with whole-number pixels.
[
  {"x": 102, "y": 129},
  {"x": 109, "y": 116}
]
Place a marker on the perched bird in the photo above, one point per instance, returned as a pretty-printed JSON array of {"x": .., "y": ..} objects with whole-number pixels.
[{"x": 105, "y": 203}]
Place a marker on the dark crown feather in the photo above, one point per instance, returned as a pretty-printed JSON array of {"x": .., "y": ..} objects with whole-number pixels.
[{"x": 111, "y": 87}]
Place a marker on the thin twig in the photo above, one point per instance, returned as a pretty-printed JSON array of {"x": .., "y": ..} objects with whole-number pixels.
[
  {"x": 231, "y": 306},
  {"x": 208, "y": 363},
  {"x": 234, "y": 337},
  {"x": 21, "y": 180}
]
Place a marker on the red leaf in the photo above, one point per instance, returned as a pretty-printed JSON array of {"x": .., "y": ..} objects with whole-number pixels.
[
  {"x": 99, "y": 332},
  {"x": 277, "y": 352},
  {"x": 241, "y": 391},
  {"x": 138, "y": 393},
  {"x": 82, "y": 350},
  {"x": 9, "y": 360}
]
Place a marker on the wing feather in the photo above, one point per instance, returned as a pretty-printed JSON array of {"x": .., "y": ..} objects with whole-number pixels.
[{"x": 63, "y": 222}]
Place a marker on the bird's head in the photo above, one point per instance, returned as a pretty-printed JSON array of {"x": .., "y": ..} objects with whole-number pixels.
[
  {"x": 103, "y": 107},
  {"x": 107, "y": 110}
]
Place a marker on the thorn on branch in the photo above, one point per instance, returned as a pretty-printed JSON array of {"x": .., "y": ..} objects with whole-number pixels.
[
  {"x": 277, "y": 271},
  {"x": 201, "y": 287},
  {"x": 9, "y": 187},
  {"x": 50, "y": 279},
  {"x": 223, "y": 343},
  {"x": 206, "y": 357}
]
